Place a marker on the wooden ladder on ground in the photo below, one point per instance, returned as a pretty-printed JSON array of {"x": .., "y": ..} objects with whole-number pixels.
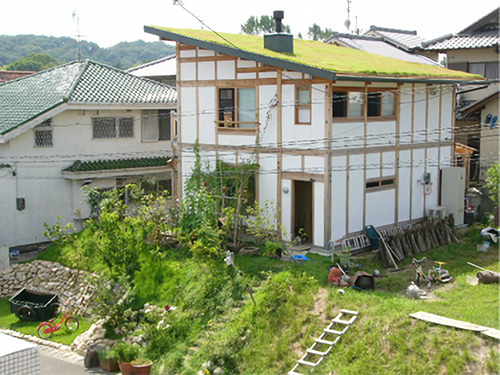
[{"x": 324, "y": 344}]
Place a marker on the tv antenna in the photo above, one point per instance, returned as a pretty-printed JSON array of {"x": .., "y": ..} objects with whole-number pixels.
[
  {"x": 76, "y": 18},
  {"x": 347, "y": 22}
]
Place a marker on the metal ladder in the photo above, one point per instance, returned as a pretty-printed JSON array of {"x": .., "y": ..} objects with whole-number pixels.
[{"x": 324, "y": 344}]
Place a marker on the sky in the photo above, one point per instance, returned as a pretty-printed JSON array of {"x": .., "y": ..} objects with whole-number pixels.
[{"x": 107, "y": 22}]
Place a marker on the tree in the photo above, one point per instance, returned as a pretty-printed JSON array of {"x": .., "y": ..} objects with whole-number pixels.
[
  {"x": 493, "y": 186},
  {"x": 34, "y": 62},
  {"x": 316, "y": 33},
  {"x": 263, "y": 25}
]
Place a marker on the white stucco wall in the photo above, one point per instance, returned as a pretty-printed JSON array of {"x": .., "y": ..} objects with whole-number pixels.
[{"x": 38, "y": 172}]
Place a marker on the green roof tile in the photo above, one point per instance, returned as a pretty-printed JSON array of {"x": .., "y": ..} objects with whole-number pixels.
[
  {"x": 103, "y": 165},
  {"x": 78, "y": 82}
]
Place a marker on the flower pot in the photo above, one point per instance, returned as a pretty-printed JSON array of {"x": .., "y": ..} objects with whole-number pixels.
[
  {"x": 126, "y": 368},
  {"x": 142, "y": 369},
  {"x": 110, "y": 365}
]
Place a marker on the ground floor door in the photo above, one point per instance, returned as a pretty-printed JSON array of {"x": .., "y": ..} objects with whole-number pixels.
[{"x": 303, "y": 210}]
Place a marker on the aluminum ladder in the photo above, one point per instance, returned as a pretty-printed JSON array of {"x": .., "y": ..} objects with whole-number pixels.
[{"x": 328, "y": 339}]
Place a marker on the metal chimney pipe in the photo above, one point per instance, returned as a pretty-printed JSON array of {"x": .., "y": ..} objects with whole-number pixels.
[{"x": 278, "y": 16}]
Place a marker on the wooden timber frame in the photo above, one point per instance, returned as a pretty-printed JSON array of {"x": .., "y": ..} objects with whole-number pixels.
[{"x": 262, "y": 78}]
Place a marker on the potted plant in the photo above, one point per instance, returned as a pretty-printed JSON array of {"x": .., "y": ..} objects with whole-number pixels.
[
  {"x": 108, "y": 360},
  {"x": 126, "y": 353}
]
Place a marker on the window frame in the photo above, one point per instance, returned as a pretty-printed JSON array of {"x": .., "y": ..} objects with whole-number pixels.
[
  {"x": 155, "y": 114},
  {"x": 380, "y": 184},
  {"x": 366, "y": 93},
  {"x": 301, "y": 106},
  {"x": 117, "y": 124},
  {"x": 44, "y": 127},
  {"x": 224, "y": 123}
]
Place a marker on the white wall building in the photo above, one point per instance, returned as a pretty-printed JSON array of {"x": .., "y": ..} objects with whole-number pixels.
[
  {"x": 343, "y": 138},
  {"x": 80, "y": 124}
]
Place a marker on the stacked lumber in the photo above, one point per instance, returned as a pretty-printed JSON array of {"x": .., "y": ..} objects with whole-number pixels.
[{"x": 418, "y": 239}]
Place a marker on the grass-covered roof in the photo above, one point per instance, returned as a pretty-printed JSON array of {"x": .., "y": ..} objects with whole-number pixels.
[{"x": 319, "y": 55}]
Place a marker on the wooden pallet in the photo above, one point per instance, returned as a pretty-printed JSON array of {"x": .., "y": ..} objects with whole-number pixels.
[{"x": 328, "y": 339}]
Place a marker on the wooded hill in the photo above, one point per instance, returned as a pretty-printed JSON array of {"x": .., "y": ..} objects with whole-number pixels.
[{"x": 64, "y": 49}]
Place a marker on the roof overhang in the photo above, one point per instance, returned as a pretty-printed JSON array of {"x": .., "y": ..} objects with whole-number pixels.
[
  {"x": 34, "y": 121},
  {"x": 114, "y": 173},
  {"x": 266, "y": 60},
  {"x": 289, "y": 65},
  {"x": 462, "y": 149}
]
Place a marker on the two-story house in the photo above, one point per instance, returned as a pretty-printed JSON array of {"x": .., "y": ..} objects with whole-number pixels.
[
  {"x": 79, "y": 124},
  {"x": 343, "y": 138}
]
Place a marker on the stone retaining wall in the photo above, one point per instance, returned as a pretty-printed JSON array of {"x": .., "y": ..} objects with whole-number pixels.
[{"x": 43, "y": 276}]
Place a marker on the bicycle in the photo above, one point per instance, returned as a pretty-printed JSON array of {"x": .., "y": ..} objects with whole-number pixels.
[{"x": 46, "y": 329}]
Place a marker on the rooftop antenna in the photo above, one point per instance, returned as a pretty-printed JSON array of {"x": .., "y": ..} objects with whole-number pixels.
[
  {"x": 347, "y": 22},
  {"x": 76, "y": 18}
]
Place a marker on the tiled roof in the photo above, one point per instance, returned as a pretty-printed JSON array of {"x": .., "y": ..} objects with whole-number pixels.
[
  {"x": 316, "y": 58},
  {"x": 10, "y": 75},
  {"x": 104, "y": 165},
  {"x": 483, "y": 39},
  {"x": 79, "y": 82},
  {"x": 481, "y": 34},
  {"x": 405, "y": 38},
  {"x": 166, "y": 66},
  {"x": 377, "y": 45}
]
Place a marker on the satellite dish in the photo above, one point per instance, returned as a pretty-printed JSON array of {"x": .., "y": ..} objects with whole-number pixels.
[{"x": 347, "y": 24}]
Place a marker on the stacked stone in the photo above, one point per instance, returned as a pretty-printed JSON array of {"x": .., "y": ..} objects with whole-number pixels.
[{"x": 43, "y": 276}]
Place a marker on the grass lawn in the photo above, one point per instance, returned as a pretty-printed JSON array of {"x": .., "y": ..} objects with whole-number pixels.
[
  {"x": 385, "y": 339},
  {"x": 293, "y": 304},
  {"x": 63, "y": 336}
]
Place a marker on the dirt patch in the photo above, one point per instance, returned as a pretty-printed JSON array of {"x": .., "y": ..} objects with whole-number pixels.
[
  {"x": 481, "y": 353},
  {"x": 431, "y": 294},
  {"x": 320, "y": 303}
]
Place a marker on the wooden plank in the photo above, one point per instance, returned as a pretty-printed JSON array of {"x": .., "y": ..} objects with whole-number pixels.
[
  {"x": 279, "y": 197},
  {"x": 300, "y": 176},
  {"x": 328, "y": 166},
  {"x": 208, "y": 58},
  {"x": 225, "y": 83},
  {"x": 441, "y": 320}
]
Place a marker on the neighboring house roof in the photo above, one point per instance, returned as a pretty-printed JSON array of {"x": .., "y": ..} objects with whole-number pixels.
[
  {"x": 10, "y": 75},
  {"x": 481, "y": 34},
  {"x": 407, "y": 39},
  {"x": 79, "y": 82},
  {"x": 377, "y": 45},
  {"x": 166, "y": 66},
  {"x": 316, "y": 58},
  {"x": 105, "y": 165},
  {"x": 478, "y": 104},
  {"x": 484, "y": 39}
]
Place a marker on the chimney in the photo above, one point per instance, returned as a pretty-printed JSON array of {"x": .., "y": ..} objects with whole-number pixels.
[{"x": 279, "y": 41}]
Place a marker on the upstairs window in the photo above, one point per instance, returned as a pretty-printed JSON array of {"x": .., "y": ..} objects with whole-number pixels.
[
  {"x": 113, "y": 127},
  {"x": 237, "y": 108},
  {"x": 156, "y": 125},
  {"x": 43, "y": 134},
  {"x": 303, "y": 105},
  {"x": 351, "y": 104},
  {"x": 347, "y": 104}
]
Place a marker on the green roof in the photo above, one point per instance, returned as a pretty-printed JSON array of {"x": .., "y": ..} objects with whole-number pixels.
[
  {"x": 104, "y": 165},
  {"x": 325, "y": 59},
  {"x": 79, "y": 82}
]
